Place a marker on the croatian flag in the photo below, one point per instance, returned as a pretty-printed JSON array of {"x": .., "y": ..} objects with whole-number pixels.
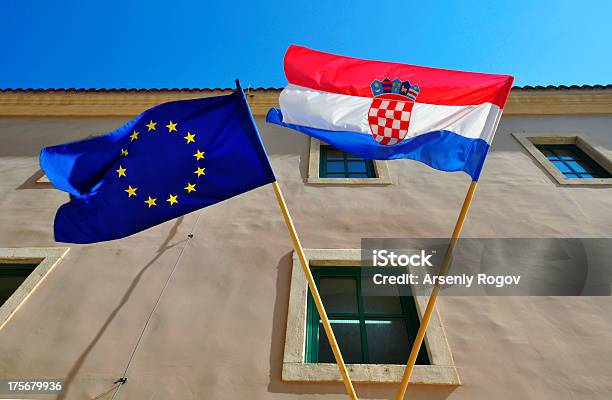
[{"x": 380, "y": 110}]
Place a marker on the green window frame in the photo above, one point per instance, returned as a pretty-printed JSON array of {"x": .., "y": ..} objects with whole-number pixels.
[
  {"x": 335, "y": 163},
  {"x": 572, "y": 162},
  {"x": 314, "y": 330}
]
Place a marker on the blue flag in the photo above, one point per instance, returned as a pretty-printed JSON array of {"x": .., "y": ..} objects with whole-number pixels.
[{"x": 172, "y": 159}]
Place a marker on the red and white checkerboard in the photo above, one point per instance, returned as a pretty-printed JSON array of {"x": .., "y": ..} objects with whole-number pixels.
[{"x": 389, "y": 119}]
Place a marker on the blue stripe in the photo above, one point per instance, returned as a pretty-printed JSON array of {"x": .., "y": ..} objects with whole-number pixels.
[{"x": 442, "y": 150}]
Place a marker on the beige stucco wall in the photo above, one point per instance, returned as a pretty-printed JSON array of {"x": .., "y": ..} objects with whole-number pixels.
[{"x": 218, "y": 332}]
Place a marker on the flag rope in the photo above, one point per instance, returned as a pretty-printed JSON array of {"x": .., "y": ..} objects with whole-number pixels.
[
  {"x": 121, "y": 381},
  {"x": 348, "y": 385}
]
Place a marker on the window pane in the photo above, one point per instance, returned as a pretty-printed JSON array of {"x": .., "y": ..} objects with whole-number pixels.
[
  {"x": 335, "y": 166},
  {"x": 382, "y": 305},
  {"x": 549, "y": 154},
  {"x": 561, "y": 166},
  {"x": 572, "y": 161},
  {"x": 338, "y": 294},
  {"x": 353, "y": 157},
  {"x": 387, "y": 341},
  {"x": 357, "y": 166},
  {"x": 336, "y": 176},
  {"x": 8, "y": 284},
  {"x": 579, "y": 166},
  {"x": 347, "y": 335},
  {"x": 334, "y": 154},
  {"x": 566, "y": 154},
  {"x": 11, "y": 277}
]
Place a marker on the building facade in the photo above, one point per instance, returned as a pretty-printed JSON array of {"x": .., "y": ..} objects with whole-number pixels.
[{"x": 231, "y": 322}]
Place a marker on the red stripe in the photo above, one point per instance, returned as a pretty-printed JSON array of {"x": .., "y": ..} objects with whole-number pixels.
[{"x": 352, "y": 76}]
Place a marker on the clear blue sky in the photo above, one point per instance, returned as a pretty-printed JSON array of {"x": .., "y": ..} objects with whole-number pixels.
[{"x": 156, "y": 44}]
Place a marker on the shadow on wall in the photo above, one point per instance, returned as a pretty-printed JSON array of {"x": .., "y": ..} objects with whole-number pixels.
[
  {"x": 73, "y": 373},
  {"x": 25, "y": 137},
  {"x": 277, "y": 346}
]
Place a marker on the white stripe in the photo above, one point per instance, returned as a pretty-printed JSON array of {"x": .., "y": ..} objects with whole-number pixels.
[{"x": 339, "y": 112}]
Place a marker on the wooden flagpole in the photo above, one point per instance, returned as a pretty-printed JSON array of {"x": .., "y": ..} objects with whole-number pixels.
[
  {"x": 418, "y": 341},
  {"x": 348, "y": 385}
]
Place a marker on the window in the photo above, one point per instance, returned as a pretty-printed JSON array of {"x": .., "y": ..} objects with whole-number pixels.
[
  {"x": 572, "y": 162},
  {"x": 373, "y": 333},
  {"x": 330, "y": 166},
  {"x": 339, "y": 164},
  {"x": 38, "y": 180},
  {"x": 570, "y": 159},
  {"x": 369, "y": 329},
  {"x": 21, "y": 271}
]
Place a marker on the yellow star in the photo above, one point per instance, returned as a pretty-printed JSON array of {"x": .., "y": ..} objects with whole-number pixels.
[
  {"x": 172, "y": 199},
  {"x": 171, "y": 127},
  {"x": 124, "y": 152},
  {"x": 134, "y": 136},
  {"x": 200, "y": 171},
  {"x": 131, "y": 191},
  {"x": 121, "y": 171},
  {"x": 190, "y": 137},
  {"x": 151, "y": 201},
  {"x": 151, "y": 125},
  {"x": 190, "y": 187},
  {"x": 199, "y": 155}
]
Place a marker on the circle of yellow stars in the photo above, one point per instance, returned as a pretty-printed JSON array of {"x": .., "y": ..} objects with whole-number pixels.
[{"x": 172, "y": 198}]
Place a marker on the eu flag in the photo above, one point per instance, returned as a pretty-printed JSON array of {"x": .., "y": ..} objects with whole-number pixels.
[{"x": 172, "y": 159}]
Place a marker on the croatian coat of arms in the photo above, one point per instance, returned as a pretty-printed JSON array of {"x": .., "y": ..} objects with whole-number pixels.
[{"x": 389, "y": 114}]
